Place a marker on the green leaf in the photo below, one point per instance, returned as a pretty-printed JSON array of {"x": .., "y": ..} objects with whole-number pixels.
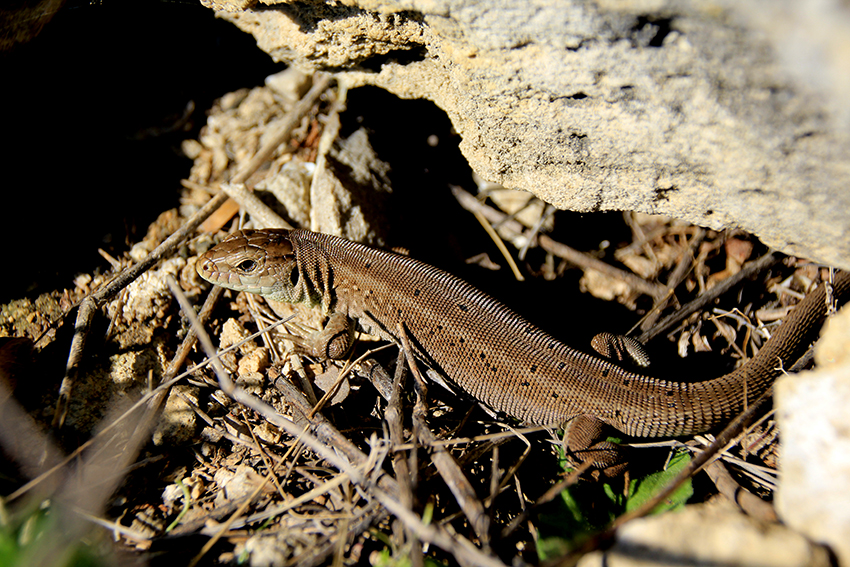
[
  {"x": 589, "y": 507},
  {"x": 643, "y": 489}
]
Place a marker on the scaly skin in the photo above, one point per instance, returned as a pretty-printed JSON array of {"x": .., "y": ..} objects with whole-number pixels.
[{"x": 486, "y": 349}]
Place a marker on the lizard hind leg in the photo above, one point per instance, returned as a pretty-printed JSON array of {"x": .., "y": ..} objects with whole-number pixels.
[
  {"x": 621, "y": 348},
  {"x": 586, "y": 442}
]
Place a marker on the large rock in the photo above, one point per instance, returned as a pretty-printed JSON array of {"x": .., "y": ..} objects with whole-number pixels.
[
  {"x": 814, "y": 494},
  {"x": 718, "y": 114}
]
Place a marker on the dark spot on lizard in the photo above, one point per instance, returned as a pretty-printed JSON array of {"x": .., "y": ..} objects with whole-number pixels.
[
  {"x": 625, "y": 382},
  {"x": 605, "y": 373},
  {"x": 483, "y": 356},
  {"x": 462, "y": 340},
  {"x": 368, "y": 264},
  {"x": 555, "y": 395},
  {"x": 533, "y": 368},
  {"x": 551, "y": 346},
  {"x": 462, "y": 307},
  {"x": 618, "y": 413},
  {"x": 525, "y": 383},
  {"x": 670, "y": 393},
  {"x": 562, "y": 365},
  {"x": 439, "y": 327},
  {"x": 416, "y": 293}
]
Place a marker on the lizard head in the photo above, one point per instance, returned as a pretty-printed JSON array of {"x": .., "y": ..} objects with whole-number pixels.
[{"x": 256, "y": 261}]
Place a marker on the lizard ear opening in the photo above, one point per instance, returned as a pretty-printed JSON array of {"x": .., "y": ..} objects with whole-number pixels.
[
  {"x": 293, "y": 277},
  {"x": 278, "y": 246}
]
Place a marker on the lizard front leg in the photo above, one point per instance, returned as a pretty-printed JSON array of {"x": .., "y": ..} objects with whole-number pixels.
[
  {"x": 585, "y": 440},
  {"x": 333, "y": 341}
]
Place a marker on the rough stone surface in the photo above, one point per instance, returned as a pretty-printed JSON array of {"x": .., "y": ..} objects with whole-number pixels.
[
  {"x": 720, "y": 113},
  {"x": 706, "y": 535},
  {"x": 814, "y": 496},
  {"x": 350, "y": 187}
]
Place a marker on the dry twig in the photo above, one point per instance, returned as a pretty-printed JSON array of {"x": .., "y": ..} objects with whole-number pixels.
[{"x": 580, "y": 259}]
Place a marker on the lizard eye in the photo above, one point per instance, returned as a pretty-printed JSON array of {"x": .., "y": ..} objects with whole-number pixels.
[
  {"x": 246, "y": 265},
  {"x": 293, "y": 277}
]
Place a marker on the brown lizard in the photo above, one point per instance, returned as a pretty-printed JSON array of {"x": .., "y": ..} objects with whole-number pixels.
[{"x": 486, "y": 349}]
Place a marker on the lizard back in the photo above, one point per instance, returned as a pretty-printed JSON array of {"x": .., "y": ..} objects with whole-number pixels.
[
  {"x": 500, "y": 358},
  {"x": 488, "y": 350}
]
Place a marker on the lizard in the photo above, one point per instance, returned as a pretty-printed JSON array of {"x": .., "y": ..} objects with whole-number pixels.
[{"x": 486, "y": 349}]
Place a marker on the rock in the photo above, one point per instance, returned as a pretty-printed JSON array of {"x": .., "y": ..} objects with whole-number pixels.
[
  {"x": 349, "y": 188},
  {"x": 812, "y": 414},
  {"x": 706, "y": 534},
  {"x": 722, "y": 114}
]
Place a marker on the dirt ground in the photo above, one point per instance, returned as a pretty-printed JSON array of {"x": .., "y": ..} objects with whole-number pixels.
[{"x": 134, "y": 452}]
